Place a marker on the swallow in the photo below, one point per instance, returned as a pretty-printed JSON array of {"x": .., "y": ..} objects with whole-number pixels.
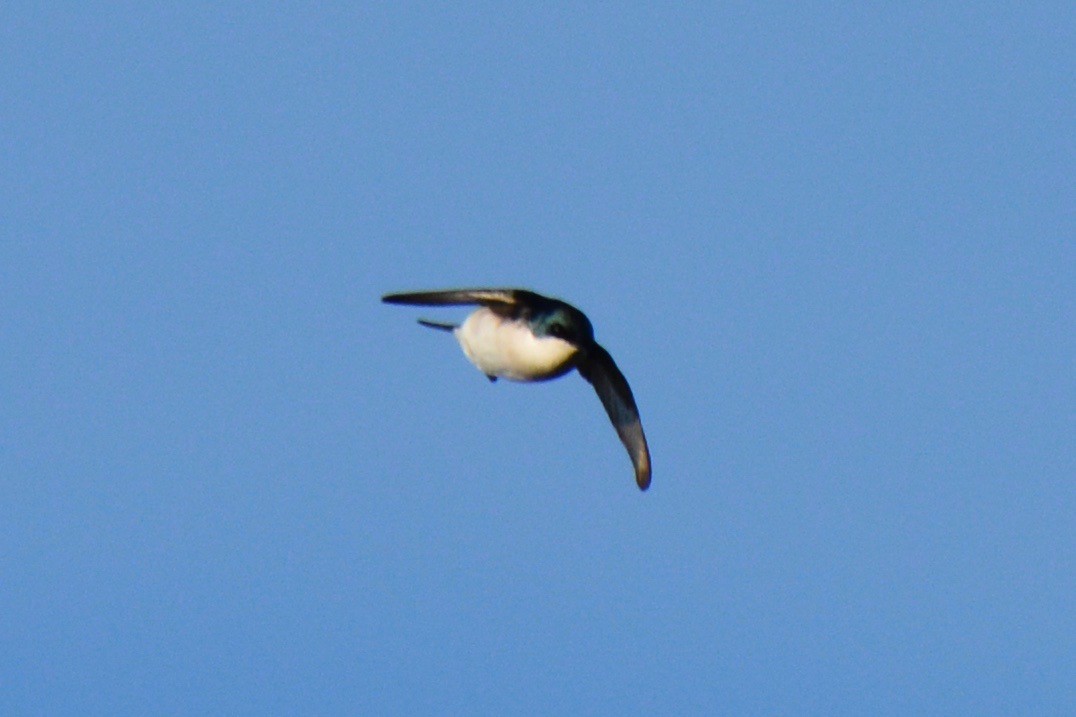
[{"x": 519, "y": 335}]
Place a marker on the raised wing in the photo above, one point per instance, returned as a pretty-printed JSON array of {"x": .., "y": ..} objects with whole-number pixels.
[
  {"x": 597, "y": 366},
  {"x": 486, "y": 297}
]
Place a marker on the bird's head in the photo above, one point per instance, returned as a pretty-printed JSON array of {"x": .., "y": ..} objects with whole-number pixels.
[{"x": 564, "y": 322}]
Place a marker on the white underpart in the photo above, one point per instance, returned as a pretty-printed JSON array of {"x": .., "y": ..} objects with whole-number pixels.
[{"x": 499, "y": 346}]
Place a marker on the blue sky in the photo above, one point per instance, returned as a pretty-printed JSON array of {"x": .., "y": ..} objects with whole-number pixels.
[{"x": 831, "y": 247}]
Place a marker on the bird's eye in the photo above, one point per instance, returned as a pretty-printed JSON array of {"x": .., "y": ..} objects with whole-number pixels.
[{"x": 558, "y": 331}]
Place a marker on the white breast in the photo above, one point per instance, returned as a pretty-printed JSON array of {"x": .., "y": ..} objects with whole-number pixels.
[{"x": 502, "y": 347}]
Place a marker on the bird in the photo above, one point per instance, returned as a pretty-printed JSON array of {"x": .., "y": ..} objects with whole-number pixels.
[{"x": 520, "y": 335}]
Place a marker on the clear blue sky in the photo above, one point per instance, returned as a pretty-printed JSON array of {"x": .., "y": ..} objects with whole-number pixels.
[{"x": 832, "y": 247}]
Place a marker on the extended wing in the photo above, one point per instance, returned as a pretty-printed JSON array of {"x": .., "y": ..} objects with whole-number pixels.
[
  {"x": 597, "y": 366},
  {"x": 486, "y": 297}
]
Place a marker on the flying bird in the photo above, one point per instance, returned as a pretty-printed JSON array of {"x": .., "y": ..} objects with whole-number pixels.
[{"x": 523, "y": 336}]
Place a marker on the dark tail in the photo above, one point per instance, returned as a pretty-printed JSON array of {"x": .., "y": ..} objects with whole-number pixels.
[{"x": 438, "y": 325}]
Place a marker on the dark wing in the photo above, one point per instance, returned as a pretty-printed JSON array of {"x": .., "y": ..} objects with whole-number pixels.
[
  {"x": 597, "y": 366},
  {"x": 486, "y": 297}
]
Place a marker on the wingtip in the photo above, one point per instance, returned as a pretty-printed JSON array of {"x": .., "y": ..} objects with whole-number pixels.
[
  {"x": 405, "y": 298},
  {"x": 642, "y": 472}
]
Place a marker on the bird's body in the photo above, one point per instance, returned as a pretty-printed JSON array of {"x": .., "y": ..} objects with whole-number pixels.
[
  {"x": 523, "y": 336},
  {"x": 502, "y": 347}
]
